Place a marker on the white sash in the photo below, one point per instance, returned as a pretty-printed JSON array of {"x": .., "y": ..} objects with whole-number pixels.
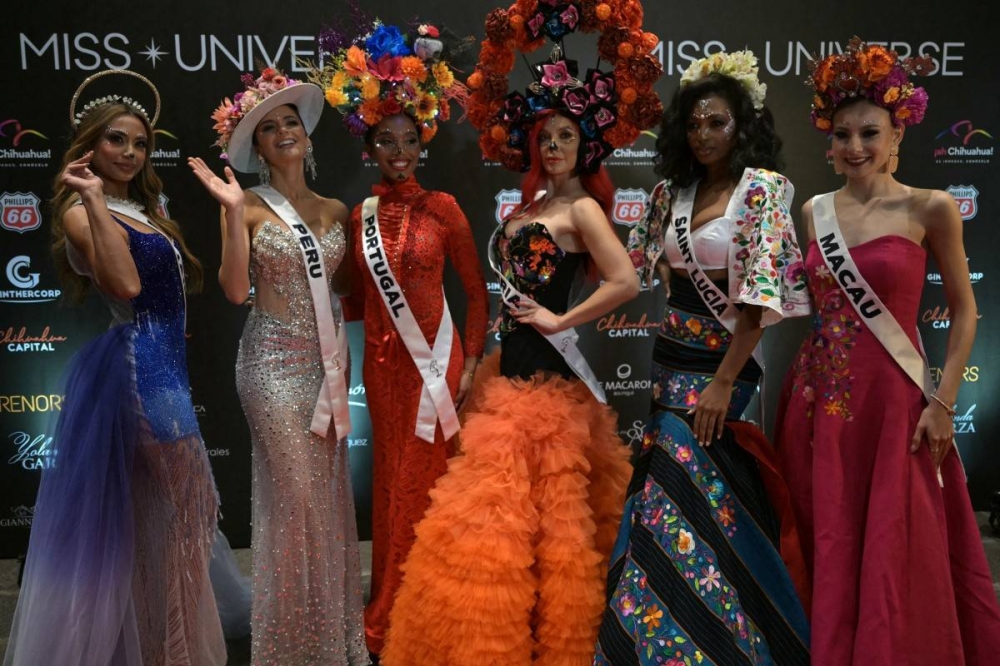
[
  {"x": 332, "y": 403},
  {"x": 435, "y": 398},
  {"x": 876, "y": 316},
  {"x": 139, "y": 216},
  {"x": 564, "y": 341}
]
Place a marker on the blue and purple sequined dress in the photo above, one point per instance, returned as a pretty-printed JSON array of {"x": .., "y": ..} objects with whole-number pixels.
[{"x": 117, "y": 568}]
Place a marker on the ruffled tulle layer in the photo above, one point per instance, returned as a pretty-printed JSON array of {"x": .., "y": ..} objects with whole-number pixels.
[{"x": 510, "y": 560}]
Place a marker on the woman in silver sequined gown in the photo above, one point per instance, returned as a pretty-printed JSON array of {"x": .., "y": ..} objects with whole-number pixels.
[{"x": 307, "y": 595}]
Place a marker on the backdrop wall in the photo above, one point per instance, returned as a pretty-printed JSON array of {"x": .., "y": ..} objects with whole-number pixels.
[{"x": 195, "y": 53}]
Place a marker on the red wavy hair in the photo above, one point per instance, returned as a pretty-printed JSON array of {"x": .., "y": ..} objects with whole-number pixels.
[{"x": 598, "y": 185}]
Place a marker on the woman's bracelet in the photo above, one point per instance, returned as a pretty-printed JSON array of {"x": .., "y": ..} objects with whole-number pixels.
[{"x": 947, "y": 408}]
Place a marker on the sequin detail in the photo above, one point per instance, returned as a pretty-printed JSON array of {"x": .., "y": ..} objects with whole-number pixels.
[{"x": 307, "y": 595}]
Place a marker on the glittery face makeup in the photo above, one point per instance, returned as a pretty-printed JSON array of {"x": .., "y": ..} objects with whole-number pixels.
[
  {"x": 396, "y": 147},
  {"x": 121, "y": 151},
  {"x": 862, "y": 140},
  {"x": 711, "y": 130}
]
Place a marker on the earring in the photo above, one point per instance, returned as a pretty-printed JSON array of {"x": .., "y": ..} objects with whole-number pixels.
[
  {"x": 311, "y": 162},
  {"x": 894, "y": 159},
  {"x": 263, "y": 170}
]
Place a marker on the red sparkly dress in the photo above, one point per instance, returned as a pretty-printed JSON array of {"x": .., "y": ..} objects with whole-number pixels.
[{"x": 419, "y": 229}]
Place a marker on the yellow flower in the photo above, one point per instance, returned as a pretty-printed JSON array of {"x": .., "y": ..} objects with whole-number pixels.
[
  {"x": 335, "y": 97},
  {"x": 340, "y": 80},
  {"x": 443, "y": 75},
  {"x": 426, "y": 106},
  {"x": 694, "y": 326},
  {"x": 891, "y": 95},
  {"x": 369, "y": 87}
]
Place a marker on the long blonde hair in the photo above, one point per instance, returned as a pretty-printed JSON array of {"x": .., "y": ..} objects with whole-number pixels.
[{"x": 144, "y": 188}]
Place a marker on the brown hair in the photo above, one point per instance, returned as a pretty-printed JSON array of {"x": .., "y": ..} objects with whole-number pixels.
[{"x": 144, "y": 188}]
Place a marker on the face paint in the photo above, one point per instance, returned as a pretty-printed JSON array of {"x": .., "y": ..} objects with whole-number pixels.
[{"x": 711, "y": 129}]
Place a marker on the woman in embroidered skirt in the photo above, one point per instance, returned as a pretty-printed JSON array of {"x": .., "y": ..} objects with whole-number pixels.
[
  {"x": 697, "y": 574},
  {"x": 117, "y": 568},
  {"x": 898, "y": 570},
  {"x": 418, "y": 230},
  {"x": 307, "y": 594}
]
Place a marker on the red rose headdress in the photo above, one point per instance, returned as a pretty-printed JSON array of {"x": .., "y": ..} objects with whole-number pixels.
[
  {"x": 612, "y": 108},
  {"x": 873, "y": 72}
]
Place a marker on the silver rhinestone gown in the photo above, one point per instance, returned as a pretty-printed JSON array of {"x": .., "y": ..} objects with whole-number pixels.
[{"x": 307, "y": 596}]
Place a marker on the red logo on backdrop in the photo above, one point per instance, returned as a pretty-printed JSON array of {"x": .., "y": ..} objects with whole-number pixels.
[
  {"x": 19, "y": 212},
  {"x": 967, "y": 198},
  {"x": 507, "y": 201},
  {"x": 629, "y": 206}
]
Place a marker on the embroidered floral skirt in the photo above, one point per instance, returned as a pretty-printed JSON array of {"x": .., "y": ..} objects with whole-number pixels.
[
  {"x": 509, "y": 563},
  {"x": 697, "y": 575}
]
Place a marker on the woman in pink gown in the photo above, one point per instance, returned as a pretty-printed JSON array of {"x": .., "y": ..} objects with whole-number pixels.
[{"x": 898, "y": 569}]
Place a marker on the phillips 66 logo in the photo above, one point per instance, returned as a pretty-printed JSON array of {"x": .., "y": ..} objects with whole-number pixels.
[
  {"x": 19, "y": 212},
  {"x": 629, "y": 206},
  {"x": 967, "y": 198},
  {"x": 507, "y": 201}
]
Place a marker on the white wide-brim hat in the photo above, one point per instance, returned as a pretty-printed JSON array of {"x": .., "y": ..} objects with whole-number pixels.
[{"x": 306, "y": 97}]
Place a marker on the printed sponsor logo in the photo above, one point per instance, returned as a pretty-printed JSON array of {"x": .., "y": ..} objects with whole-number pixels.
[
  {"x": 20, "y": 516},
  {"x": 967, "y": 198},
  {"x": 625, "y": 386},
  {"x": 629, "y": 206},
  {"x": 619, "y": 326},
  {"x": 507, "y": 201},
  {"x": 18, "y": 146},
  {"x": 21, "y": 341},
  {"x": 25, "y": 282},
  {"x": 940, "y": 318},
  {"x": 14, "y": 403},
  {"x": 964, "y": 143},
  {"x": 965, "y": 422},
  {"x": 356, "y": 396},
  {"x": 19, "y": 211},
  {"x": 641, "y": 154},
  {"x": 970, "y": 374},
  {"x": 633, "y": 434},
  {"x": 357, "y": 442},
  {"x": 34, "y": 452},
  {"x": 165, "y": 156},
  {"x": 974, "y": 277}
]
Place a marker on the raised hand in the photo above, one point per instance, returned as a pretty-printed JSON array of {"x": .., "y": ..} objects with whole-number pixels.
[
  {"x": 227, "y": 192},
  {"x": 78, "y": 177}
]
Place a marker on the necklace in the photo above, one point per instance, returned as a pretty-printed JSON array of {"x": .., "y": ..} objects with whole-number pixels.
[{"x": 130, "y": 204}]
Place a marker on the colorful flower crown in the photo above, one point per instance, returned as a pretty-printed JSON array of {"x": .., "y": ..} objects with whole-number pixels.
[
  {"x": 231, "y": 112},
  {"x": 873, "y": 72},
  {"x": 612, "y": 108},
  {"x": 738, "y": 65},
  {"x": 385, "y": 72}
]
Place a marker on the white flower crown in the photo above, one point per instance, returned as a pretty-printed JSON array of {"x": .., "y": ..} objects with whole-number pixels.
[
  {"x": 739, "y": 65},
  {"x": 108, "y": 99}
]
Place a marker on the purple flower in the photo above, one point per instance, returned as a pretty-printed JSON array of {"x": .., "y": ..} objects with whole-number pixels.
[
  {"x": 916, "y": 104},
  {"x": 576, "y": 100},
  {"x": 355, "y": 125},
  {"x": 605, "y": 117},
  {"x": 594, "y": 153},
  {"x": 555, "y": 75}
]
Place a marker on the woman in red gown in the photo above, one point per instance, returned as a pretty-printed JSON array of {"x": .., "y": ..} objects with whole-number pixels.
[
  {"x": 418, "y": 230},
  {"x": 898, "y": 569}
]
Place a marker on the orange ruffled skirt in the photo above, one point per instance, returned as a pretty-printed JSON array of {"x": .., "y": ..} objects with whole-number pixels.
[{"x": 510, "y": 560}]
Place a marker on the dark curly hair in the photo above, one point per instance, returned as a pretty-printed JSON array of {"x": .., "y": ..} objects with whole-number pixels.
[{"x": 757, "y": 144}]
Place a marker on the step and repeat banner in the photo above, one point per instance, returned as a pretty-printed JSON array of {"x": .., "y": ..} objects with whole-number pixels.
[{"x": 195, "y": 54}]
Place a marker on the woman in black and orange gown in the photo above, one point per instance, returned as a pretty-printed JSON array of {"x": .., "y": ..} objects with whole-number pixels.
[{"x": 895, "y": 554}]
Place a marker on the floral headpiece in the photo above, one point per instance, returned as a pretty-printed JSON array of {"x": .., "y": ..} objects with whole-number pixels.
[
  {"x": 612, "y": 108},
  {"x": 873, "y": 72},
  {"x": 385, "y": 72},
  {"x": 231, "y": 112},
  {"x": 738, "y": 65},
  {"x": 76, "y": 117}
]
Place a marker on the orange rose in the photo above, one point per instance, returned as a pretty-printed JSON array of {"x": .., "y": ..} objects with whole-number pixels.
[
  {"x": 603, "y": 11},
  {"x": 370, "y": 112},
  {"x": 355, "y": 61},
  {"x": 427, "y": 132},
  {"x": 475, "y": 80},
  {"x": 823, "y": 123},
  {"x": 625, "y": 50},
  {"x": 649, "y": 41}
]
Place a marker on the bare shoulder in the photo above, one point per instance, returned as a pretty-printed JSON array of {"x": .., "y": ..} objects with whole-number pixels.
[
  {"x": 585, "y": 212},
  {"x": 934, "y": 209},
  {"x": 335, "y": 210}
]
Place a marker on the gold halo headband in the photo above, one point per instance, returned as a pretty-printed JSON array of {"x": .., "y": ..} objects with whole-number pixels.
[{"x": 75, "y": 117}]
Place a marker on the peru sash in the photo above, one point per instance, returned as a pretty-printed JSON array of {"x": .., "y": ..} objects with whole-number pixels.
[
  {"x": 564, "y": 341},
  {"x": 332, "y": 403},
  {"x": 436, "y": 403},
  {"x": 713, "y": 297}
]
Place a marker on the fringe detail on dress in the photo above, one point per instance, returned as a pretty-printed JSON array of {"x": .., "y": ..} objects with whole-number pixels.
[{"x": 509, "y": 563}]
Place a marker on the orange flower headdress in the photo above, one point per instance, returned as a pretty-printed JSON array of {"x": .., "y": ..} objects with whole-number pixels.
[
  {"x": 873, "y": 72},
  {"x": 612, "y": 108}
]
